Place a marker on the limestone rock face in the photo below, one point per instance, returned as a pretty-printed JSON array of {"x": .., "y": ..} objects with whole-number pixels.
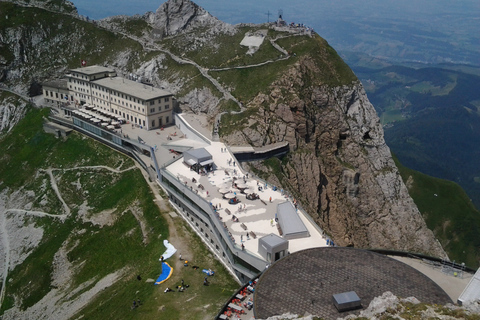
[
  {"x": 339, "y": 166},
  {"x": 176, "y": 16},
  {"x": 12, "y": 110}
]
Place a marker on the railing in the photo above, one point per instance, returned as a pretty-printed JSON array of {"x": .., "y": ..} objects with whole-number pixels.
[
  {"x": 180, "y": 121},
  {"x": 420, "y": 256}
]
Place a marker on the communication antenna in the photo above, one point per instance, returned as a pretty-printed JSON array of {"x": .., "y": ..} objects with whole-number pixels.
[
  {"x": 268, "y": 15},
  {"x": 280, "y": 14}
]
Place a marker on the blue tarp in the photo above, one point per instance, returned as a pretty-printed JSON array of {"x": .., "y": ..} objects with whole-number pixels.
[
  {"x": 166, "y": 273},
  {"x": 209, "y": 272}
]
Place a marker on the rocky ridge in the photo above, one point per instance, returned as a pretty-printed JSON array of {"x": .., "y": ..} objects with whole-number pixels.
[
  {"x": 180, "y": 16},
  {"x": 339, "y": 166}
]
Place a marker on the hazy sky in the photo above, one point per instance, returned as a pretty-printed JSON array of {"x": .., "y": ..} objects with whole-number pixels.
[
  {"x": 234, "y": 11},
  {"x": 343, "y": 23}
]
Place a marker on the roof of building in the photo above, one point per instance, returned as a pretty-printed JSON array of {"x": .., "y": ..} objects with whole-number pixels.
[
  {"x": 290, "y": 222},
  {"x": 305, "y": 281},
  {"x": 132, "y": 88},
  {"x": 57, "y": 83},
  {"x": 92, "y": 70},
  {"x": 472, "y": 291},
  {"x": 199, "y": 154},
  {"x": 272, "y": 240}
]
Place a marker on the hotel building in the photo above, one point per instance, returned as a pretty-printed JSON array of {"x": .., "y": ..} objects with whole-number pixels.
[{"x": 138, "y": 103}]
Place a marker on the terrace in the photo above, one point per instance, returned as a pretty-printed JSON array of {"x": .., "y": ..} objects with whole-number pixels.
[{"x": 246, "y": 220}]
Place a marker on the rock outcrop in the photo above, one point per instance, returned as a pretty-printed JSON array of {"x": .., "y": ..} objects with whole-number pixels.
[
  {"x": 339, "y": 166},
  {"x": 12, "y": 110},
  {"x": 176, "y": 16}
]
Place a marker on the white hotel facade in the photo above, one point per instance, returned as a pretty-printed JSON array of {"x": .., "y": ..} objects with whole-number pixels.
[{"x": 140, "y": 104}]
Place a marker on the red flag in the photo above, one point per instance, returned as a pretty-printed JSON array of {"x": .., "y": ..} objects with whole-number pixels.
[{"x": 84, "y": 63}]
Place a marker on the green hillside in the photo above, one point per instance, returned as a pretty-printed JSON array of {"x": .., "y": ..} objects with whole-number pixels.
[
  {"x": 448, "y": 211},
  {"x": 129, "y": 240}
]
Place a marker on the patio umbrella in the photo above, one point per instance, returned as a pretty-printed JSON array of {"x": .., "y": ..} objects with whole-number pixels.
[
  {"x": 224, "y": 190},
  {"x": 229, "y": 195}
]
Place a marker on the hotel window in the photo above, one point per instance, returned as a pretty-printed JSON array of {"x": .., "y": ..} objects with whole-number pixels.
[
  {"x": 153, "y": 123},
  {"x": 159, "y": 108},
  {"x": 167, "y": 99},
  {"x": 152, "y": 110},
  {"x": 152, "y": 103},
  {"x": 167, "y": 106},
  {"x": 167, "y": 120}
]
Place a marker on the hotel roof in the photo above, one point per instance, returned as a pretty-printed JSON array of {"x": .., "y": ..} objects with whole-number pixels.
[
  {"x": 132, "y": 88},
  {"x": 90, "y": 70}
]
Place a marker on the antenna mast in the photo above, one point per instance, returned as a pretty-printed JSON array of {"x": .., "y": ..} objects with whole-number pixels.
[{"x": 268, "y": 14}]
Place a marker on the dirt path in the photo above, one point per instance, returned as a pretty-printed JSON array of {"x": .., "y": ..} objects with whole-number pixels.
[
  {"x": 92, "y": 168},
  {"x": 174, "y": 238},
  {"x": 5, "y": 240},
  {"x": 53, "y": 183},
  {"x": 6, "y": 247}
]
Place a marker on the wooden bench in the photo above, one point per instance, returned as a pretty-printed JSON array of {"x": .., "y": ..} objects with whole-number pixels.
[
  {"x": 263, "y": 202},
  {"x": 280, "y": 232},
  {"x": 254, "y": 236},
  {"x": 243, "y": 226},
  {"x": 228, "y": 211}
]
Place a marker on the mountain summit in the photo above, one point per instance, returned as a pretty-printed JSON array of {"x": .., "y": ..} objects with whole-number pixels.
[{"x": 176, "y": 16}]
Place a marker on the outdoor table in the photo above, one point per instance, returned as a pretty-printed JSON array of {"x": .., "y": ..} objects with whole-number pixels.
[{"x": 235, "y": 307}]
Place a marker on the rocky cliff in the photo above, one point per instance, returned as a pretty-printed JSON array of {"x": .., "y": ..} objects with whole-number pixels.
[
  {"x": 177, "y": 16},
  {"x": 12, "y": 109},
  {"x": 339, "y": 166}
]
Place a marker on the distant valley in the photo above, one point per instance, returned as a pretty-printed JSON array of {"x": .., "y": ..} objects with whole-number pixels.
[{"x": 431, "y": 116}]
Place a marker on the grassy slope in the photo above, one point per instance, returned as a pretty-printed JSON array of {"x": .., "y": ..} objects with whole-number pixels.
[
  {"x": 103, "y": 249},
  {"x": 247, "y": 83},
  {"x": 449, "y": 212}
]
